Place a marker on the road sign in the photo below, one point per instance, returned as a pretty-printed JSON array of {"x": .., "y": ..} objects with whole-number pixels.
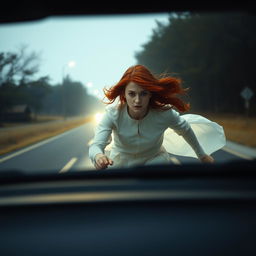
[{"x": 247, "y": 93}]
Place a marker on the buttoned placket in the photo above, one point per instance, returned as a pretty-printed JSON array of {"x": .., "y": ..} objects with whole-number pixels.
[
  {"x": 138, "y": 128},
  {"x": 138, "y": 141},
  {"x": 137, "y": 145}
]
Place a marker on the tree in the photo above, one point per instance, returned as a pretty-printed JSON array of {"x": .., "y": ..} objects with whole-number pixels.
[
  {"x": 36, "y": 91},
  {"x": 16, "y": 71},
  {"x": 18, "y": 68},
  {"x": 18, "y": 86},
  {"x": 213, "y": 53}
]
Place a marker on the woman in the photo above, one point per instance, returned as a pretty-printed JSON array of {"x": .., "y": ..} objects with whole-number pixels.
[{"x": 140, "y": 123}]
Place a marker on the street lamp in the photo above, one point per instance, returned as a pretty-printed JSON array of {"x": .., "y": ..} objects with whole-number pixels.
[{"x": 70, "y": 64}]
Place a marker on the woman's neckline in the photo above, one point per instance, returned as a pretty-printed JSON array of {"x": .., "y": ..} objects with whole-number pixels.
[{"x": 127, "y": 111}]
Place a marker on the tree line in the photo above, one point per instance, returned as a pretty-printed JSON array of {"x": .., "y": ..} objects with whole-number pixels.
[
  {"x": 18, "y": 86},
  {"x": 213, "y": 53}
]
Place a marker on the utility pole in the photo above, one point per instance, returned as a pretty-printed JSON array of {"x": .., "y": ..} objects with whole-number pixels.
[{"x": 70, "y": 64}]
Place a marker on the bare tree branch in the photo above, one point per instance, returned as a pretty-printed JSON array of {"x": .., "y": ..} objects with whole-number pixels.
[{"x": 18, "y": 67}]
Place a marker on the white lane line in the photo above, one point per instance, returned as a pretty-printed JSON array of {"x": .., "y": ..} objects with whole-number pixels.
[
  {"x": 33, "y": 146},
  {"x": 28, "y": 148},
  {"x": 68, "y": 165},
  {"x": 85, "y": 164},
  {"x": 175, "y": 160},
  {"x": 231, "y": 151}
]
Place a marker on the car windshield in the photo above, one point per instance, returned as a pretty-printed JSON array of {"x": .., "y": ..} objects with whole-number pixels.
[{"x": 53, "y": 72}]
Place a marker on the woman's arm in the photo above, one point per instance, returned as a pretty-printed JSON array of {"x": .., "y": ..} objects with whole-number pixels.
[
  {"x": 183, "y": 128},
  {"x": 191, "y": 139},
  {"x": 100, "y": 141}
]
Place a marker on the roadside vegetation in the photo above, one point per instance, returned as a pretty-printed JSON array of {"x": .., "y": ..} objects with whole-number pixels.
[
  {"x": 213, "y": 54},
  {"x": 17, "y": 136},
  {"x": 32, "y": 108},
  {"x": 238, "y": 128}
]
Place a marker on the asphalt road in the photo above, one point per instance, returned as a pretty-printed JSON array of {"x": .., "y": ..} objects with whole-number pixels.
[{"x": 68, "y": 152}]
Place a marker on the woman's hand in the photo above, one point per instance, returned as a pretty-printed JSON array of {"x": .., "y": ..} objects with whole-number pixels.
[
  {"x": 207, "y": 159},
  {"x": 102, "y": 161}
]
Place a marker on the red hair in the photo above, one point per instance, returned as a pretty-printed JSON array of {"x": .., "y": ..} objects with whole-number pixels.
[{"x": 164, "y": 90}]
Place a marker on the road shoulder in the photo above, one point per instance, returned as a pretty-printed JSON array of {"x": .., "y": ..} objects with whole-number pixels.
[{"x": 240, "y": 150}]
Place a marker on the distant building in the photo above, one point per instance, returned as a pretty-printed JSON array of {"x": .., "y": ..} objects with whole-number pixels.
[{"x": 18, "y": 113}]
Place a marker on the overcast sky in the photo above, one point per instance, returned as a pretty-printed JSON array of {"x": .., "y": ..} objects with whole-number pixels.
[{"x": 95, "y": 50}]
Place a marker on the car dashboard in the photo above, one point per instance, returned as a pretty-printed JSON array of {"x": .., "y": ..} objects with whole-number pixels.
[{"x": 155, "y": 210}]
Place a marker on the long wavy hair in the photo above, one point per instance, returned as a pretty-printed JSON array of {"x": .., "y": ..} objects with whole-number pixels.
[{"x": 164, "y": 90}]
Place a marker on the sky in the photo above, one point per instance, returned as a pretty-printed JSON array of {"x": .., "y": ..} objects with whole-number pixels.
[{"x": 94, "y": 50}]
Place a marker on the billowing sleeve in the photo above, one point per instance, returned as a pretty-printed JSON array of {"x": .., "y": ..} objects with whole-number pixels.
[
  {"x": 177, "y": 122},
  {"x": 183, "y": 128},
  {"x": 102, "y": 135}
]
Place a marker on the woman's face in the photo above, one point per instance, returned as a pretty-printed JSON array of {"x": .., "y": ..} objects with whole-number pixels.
[{"x": 137, "y": 100}]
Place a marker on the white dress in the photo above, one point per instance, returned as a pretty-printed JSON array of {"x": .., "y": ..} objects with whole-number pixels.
[{"x": 130, "y": 142}]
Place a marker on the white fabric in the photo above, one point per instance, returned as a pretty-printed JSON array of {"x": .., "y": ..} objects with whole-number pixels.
[
  {"x": 210, "y": 135},
  {"x": 142, "y": 141},
  {"x": 137, "y": 137},
  {"x": 128, "y": 160}
]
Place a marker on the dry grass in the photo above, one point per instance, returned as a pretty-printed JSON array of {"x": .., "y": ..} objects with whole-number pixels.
[
  {"x": 35, "y": 120},
  {"x": 237, "y": 128},
  {"x": 21, "y": 136},
  {"x": 44, "y": 118}
]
